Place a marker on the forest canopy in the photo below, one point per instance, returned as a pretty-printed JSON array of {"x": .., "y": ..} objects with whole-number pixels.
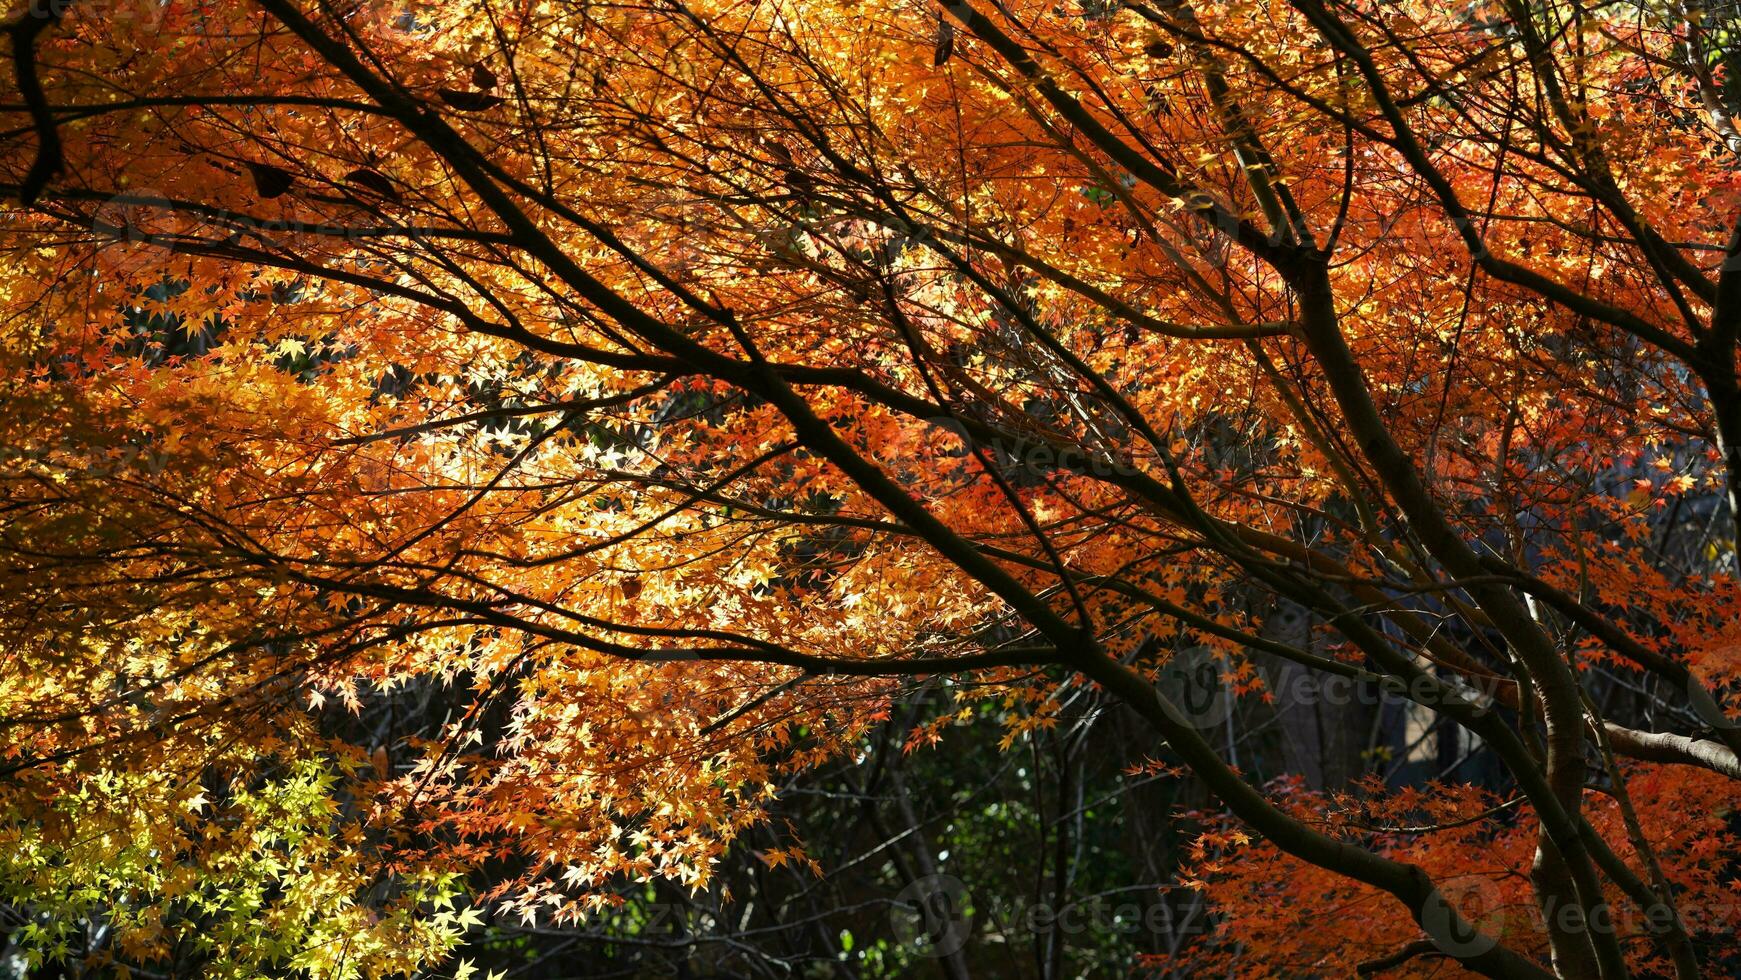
[{"x": 828, "y": 488}]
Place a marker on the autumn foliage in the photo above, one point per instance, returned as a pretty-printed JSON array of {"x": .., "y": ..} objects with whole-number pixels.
[{"x": 459, "y": 457}]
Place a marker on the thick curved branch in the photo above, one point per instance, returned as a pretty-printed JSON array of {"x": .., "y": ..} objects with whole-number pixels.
[{"x": 37, "y": 18}]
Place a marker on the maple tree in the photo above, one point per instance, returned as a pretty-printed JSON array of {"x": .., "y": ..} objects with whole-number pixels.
[{"x": 629, "y": 401}]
